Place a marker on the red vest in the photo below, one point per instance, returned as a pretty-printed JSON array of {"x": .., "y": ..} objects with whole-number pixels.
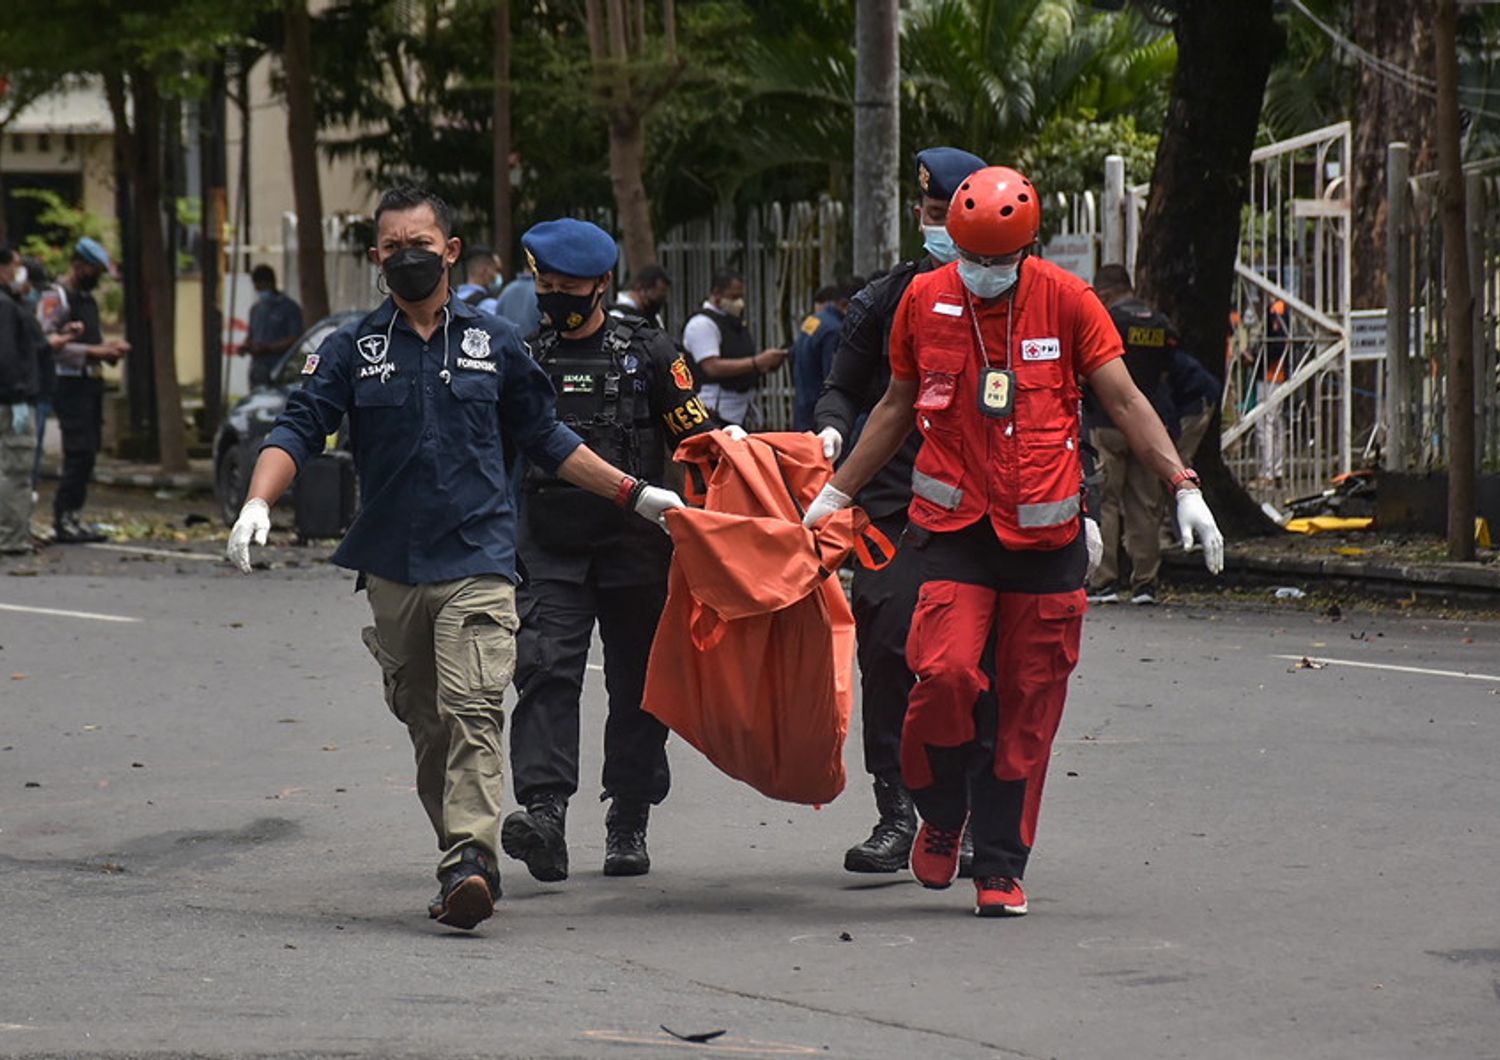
[{"x": 1023, "y": 471}]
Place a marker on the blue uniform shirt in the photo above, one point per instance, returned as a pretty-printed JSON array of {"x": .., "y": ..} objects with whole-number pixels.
[
  {"x": 517, "y": 303},
  {"x": 436, "y": 503},
  {"x": 812, "y": 360},
  {"x": 275, "y": 318}
]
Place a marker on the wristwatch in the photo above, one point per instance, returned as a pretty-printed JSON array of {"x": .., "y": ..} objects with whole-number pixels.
[{"x": 1187, "y": 478}]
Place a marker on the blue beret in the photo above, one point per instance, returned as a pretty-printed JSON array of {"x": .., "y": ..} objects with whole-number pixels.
[
  {"x": 92, "y": 251},
  {"x": 940, "y": 170},
  {"x": 571, "y": 247}
]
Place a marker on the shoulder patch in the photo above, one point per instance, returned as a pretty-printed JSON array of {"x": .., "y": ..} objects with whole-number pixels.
[
  {"x": 310, "y": 365},
  {"x": 811, "y": 324},
  {"x": 681, "y": 374}
]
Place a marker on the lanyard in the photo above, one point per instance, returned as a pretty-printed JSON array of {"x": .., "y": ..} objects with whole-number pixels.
[{"x": 1010, "y": 321}]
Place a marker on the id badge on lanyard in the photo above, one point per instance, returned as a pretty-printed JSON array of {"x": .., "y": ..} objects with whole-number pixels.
[{"x": 997, "y": 386}]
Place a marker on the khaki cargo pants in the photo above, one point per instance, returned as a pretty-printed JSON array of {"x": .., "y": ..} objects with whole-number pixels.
[
  {"x": 1131, "y": 503},
  {"x": 447, "y": 651}
]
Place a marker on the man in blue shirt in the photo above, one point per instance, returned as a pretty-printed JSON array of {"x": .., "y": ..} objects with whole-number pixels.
[
  {"x": 435, "y": 392},
  {"x": 812, "y": 351},
  {"x": 517, "y": 303},
  {"x": 275, "y": 323}
]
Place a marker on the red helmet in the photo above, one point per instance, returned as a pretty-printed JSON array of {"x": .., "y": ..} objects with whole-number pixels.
[{"x": 994, "y": 212}]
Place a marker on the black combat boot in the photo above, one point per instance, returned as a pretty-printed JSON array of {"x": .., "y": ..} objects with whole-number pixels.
[
  {"x": 625, "y": 838},
  {"x": 535, "y": 835},
  {"x": 889, "y": 846},
  {"x": 468, "y": 890}
]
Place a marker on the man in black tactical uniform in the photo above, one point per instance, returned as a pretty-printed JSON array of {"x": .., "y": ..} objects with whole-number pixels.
[
  {"x": 623, "y": 386},
  {"x": 1132, "y": 498},
  {"x": 884, "y": 600}
]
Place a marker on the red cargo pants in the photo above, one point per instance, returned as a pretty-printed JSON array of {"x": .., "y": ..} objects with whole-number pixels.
[{"x": 1033, "y": 604}]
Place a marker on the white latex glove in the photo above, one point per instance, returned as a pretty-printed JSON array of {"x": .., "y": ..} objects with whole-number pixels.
[
  {"x": 735, "y": 432},
  {"x": 1195, "y": 521},
  {"x": 828, "y": 501},
  {"x": 253, "y": 524},
  {"x": 654, "y": 503},
  {"x": 833, "y": 442},
  {"x": 1093, "y": 540}
]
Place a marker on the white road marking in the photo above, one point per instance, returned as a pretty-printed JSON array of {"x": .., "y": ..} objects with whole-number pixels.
[
  {"x": 141, "y": 550},
  {"x": 1467, "y": 674},
  {"x": 96, "y": 616}
]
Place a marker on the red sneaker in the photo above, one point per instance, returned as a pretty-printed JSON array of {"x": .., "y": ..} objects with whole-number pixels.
[
  {"x": 934, "y": 856},
  {"x": 999, "y": 896}
]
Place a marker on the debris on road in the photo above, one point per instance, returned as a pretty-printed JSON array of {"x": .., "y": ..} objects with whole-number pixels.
[
  {"x": 698, "y": 1038},
  {"x": 1305, "y": 663}
]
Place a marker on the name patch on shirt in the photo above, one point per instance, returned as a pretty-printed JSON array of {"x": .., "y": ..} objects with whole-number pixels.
[
  {"x": 1040, "y": 349},
  {"x": 384, "y": 370},
  {"x": 578, "y": 384},
  {"x": 948, "y": 309},
  {"x": 480, "y": 366}
]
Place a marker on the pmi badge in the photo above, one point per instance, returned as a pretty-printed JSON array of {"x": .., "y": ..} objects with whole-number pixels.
[{"x": 997, "y": 392}]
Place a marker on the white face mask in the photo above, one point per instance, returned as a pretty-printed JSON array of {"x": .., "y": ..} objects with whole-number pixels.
[
  {"x": 19, "y": 281},
  {"x": 988, "y": 281},
  {"x": 735, "y": 307}
]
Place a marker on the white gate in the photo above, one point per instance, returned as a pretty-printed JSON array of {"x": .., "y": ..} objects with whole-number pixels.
[{"x": 1290, "y": 382}]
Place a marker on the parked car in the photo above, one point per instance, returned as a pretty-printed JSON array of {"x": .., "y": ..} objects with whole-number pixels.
[{"x": 239, "y": 438}]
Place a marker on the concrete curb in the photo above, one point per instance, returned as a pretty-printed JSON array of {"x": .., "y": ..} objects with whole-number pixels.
[
  {"x": 148, "y": 479},
  {"x": 1465, "y": 582}
]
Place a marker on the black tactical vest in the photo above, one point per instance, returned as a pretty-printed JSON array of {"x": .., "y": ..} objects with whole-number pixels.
[
  {"x": 603, "y": 395},
  {"x": 735, "y": 343}
]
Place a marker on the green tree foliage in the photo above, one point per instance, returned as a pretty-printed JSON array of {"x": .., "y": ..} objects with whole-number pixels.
[
  {"x": 761, "y": 110},
  {"x": 992, "y": 75}
]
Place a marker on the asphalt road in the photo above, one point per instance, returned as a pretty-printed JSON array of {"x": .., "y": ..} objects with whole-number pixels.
[{"x": 209, "y": 846}]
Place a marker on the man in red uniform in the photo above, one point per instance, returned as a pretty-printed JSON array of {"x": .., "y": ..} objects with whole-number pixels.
[{"x": 989, "y": 351}]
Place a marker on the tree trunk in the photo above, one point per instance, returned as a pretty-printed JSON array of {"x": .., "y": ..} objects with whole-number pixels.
[
  {"x": 146, "y": 179},
  {"x": 877, "y": 135},
  {"x": 627, "y": 157},
  {"x": 140, "y": 386},
  {"x": 302, "y": 140},
  {"x": 213, "y": 177},
  {"x": 504, "y": 234},
  {"x": 610, "y": 53},
  {"x": 1190, "y": 235},
  {"x": 1399, "y": 31},
  {"x": 1458, "y": 294}
]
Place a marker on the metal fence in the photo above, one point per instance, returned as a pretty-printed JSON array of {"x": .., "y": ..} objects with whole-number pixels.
[
  {"x": 784, "y": 251},
  {"x": 1418, "y": 382}
]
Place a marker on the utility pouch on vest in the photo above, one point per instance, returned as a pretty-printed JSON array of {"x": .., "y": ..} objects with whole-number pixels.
[
  {"x": 997, "y": 392},
  {"x": 937, "y": 391}
]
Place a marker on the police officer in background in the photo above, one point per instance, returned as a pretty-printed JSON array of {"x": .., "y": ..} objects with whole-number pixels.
[
  {"x": 436, "y": 392},
  {"x": 79, "y": 396},
  {"x": 623, "y": 386},
  {"x": 813, "y": 349},
  {"x": 1132, "y": 500},
  {"x": 884, "y": 599}
]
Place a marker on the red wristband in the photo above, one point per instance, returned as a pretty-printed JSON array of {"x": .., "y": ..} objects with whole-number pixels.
[
  {"x": 1187, "y": 478},
  {"x": 625, "y": 491}
]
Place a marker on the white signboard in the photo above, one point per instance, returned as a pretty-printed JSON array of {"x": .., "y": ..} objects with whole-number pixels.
[
  {"x": 1367, "y": 334},
  {"x": 1074, "y": 253}
]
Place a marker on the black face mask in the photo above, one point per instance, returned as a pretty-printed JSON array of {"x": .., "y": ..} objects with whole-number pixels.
[
  {"x": 413, "y": 273},
  {"x": 567, "y": 312},
  {"x": 88, "y": 281}
]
